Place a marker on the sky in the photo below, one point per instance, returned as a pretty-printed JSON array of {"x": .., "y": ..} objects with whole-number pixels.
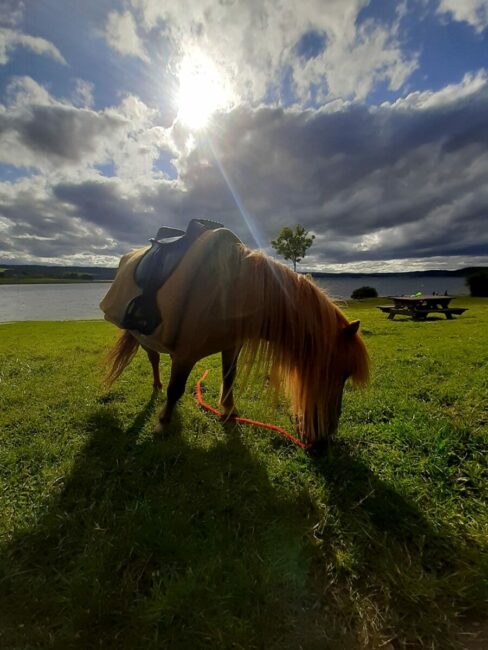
[{"x": 363, "y": 120}]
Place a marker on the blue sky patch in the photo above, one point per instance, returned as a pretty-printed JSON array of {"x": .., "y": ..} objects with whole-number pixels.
[
  {"x": 11, "y": 173},
  {"x": 163, "y": 164},
  {"x": 106, "y": 169},
  {"x": 311, "y": 44}
]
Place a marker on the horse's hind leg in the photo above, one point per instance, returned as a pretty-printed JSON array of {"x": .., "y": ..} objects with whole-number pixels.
[
  {"x": 154, "y": 359},
  {"x": 229, "y": 369},
  {"x": 176, "y": 387}
]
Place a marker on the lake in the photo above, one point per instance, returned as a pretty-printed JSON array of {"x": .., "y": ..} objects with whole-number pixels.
[
  {"x": 20, "y": 302},
  {"x": 51, "y": 301}
]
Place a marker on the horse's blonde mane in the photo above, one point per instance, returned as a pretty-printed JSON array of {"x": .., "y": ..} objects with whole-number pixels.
[{"x": 294, "y": 334}]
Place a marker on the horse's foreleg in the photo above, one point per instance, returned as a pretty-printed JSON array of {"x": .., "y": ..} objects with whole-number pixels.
[
  {"x": 154, "y": 359},
  {"x": 229, "y": 369},
  {"x": 176, "y": 387}
]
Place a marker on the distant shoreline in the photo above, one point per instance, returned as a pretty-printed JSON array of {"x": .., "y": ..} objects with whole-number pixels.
[
  {"x": 8, "y": 281},
  {"x": 43, "y": 274},
  {"x": 317, "y": 276}
]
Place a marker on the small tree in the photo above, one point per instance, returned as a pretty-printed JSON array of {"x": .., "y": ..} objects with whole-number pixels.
[{"x": 293, "y": 243}]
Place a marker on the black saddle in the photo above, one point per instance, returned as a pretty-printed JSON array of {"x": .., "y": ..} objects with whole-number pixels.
[{"x": 155, "y": 267}]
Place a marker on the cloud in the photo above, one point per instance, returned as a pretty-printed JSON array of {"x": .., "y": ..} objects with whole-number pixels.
[
  {"x": 351, "y": 65},
  {"x": 398, "y": 181},
  {"x": 36, "y": 227},
  {"x": 121, "y": 34},
  {"x": 258, "y": 44},
  {"x": 83, "y": 93},
  {"x": 11, "y": 39},
  {"x": 12, "y": 12},
  {"x": 38, "y": 131},
  {"x": 391, "y": 182},
  {"x": 49, "y": 134},
  {"x": 108, "y": 205},
  {"x": 62, "y": 132},
  {"x": 470, "y": 85},
  {"x": 474, "y": 12},
  {"x": 142, "y": 141}
]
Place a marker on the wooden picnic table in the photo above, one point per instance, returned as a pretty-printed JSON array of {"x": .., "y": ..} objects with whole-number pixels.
[{"x": 420, "y": 306}]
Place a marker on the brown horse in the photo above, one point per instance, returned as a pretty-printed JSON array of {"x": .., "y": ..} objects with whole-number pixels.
[{"x": 226, "y": 298}]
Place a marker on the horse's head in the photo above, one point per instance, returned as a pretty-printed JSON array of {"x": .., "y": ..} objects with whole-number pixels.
[
  {"x": 348, "y": 360},
  {"x": 310, "y": 348}
]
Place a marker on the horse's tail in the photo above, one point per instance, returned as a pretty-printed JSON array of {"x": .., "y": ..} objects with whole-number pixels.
[{"x": 120, "y": 356}]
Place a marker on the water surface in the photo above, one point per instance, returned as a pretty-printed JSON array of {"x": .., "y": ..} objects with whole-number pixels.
[
  {"x": 342, "y": 288},
  {"x": 19, "y": 302},
  {"x": 51, "y": 301}
]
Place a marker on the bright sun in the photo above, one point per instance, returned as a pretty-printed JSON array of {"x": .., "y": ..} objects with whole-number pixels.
[{"x": 203, "y": 90}]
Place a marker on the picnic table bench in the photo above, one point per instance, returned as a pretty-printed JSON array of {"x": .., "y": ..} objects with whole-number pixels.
[{"x": 419, "y": 307}]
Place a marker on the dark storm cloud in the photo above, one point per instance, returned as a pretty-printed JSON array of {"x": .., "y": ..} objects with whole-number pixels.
[
  {"x": 39, "y": 227},
  {"x": 61, "y": 132},
  {"x": 104, "y": 203},
  {"x": 56, "y": 247},
  {"x": 5, "y": 124},
  {"x": 414, "y": 177},
  {"x": 318, "y": 155},
  {"x": 100, "y": 203}
]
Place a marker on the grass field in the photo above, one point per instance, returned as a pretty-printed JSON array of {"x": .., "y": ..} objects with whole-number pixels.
[{"x": 224, "y": 536}]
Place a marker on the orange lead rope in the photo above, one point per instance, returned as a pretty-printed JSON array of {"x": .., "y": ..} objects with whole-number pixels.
[{"x": 263, "y": 425}]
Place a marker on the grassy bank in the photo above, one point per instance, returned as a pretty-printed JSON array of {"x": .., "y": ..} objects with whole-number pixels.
[{"x": 228, "y": 537}]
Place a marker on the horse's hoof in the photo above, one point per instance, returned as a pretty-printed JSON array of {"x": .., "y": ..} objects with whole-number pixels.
[
  {"x": 318, "y": 448},
  {"x": 230, "y": 414},
  {"x": 159, "y": 429},
  {"x": 157, "y": 388}
]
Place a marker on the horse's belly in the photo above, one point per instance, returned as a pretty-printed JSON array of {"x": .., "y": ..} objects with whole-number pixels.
[{"x": 152, "y": 342}]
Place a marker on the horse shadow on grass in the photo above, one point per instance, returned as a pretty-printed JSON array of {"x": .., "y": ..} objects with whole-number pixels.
[
  {"x": 180, "y": 543},
  {"x": 151, "y": 543}
]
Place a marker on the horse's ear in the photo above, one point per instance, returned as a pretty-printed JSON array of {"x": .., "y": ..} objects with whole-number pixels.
[{"x": 352, "y": 328}]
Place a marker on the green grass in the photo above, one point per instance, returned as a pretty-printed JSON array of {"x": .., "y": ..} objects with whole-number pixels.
[{"x": 228, "y": 536}]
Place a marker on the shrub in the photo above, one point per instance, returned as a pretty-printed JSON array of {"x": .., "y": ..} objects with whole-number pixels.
[
  {"x": 477, "y": 282},
  {"x": 364, "y": 292}
]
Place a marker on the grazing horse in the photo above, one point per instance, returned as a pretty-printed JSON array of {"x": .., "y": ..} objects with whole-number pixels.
[{"x": 225, "y": 298}]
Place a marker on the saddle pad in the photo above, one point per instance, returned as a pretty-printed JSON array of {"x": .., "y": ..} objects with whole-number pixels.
[
  {"x": 123, "y": 289},
  {"x": 174, "y": 293}
]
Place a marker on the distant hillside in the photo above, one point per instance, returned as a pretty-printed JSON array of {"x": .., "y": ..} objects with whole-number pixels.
[
  {"x": 27, "y": 272},
  {"x": 436, "y": 273},
  {"x": 38, "y": 271}
]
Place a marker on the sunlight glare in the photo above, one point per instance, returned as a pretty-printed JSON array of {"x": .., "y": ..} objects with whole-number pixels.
[{"x": 202, "y": 91}]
